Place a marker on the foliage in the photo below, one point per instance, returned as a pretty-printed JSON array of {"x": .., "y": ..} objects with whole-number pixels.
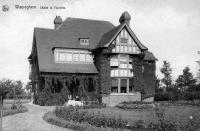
[
  {"x": 198, "y": 73},
  {"x": 166, "y": 70},
  {"x": 47, "y": 98},
  {"x": 162, "y": 125},
  {"x": 90, "y": 105},
  {"x": 51, "y": 118},
  {"x": 14, "y": 106},
  {"x": 28, "y": 87},
  {"x": 5, "y": 87},
  {"x": 15, "y": 88},
  {"x": 135, "y": 105},
  {"x": 186, "y": 79},
  {"x": 173, "y": 96},
  {"x": 78, "y": 114}
]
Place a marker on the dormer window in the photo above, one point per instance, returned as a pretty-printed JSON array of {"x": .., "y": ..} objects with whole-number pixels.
[{"x": 84, "y": 41}]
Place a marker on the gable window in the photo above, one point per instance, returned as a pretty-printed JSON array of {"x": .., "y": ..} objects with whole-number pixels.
[
  {"x": 124, "y": 43},
  {"x": 124, "y": 40},
  {"x": 72, "y": 56},
  {"x": 84, "y": 41}
]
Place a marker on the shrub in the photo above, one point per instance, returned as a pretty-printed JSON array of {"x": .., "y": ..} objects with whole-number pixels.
[
  {"x": 162, "y": 125},
  {"x": 47, "y": 98},
  {"x": 89, "y": 105},
  {"x": 192, "y": 95},
  {"x": 14, "y": 107},
  {"x": 78, "y": 114},
  {"x": 135, "y": 105}
]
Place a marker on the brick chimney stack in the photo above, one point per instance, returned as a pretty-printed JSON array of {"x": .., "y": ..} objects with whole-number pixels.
[
  {"x": 57, "y": 22},
  {"x": 125, "y": 17}
]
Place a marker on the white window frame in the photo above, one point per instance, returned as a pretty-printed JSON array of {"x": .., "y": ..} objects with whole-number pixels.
[{"x": 75, "y": 56}]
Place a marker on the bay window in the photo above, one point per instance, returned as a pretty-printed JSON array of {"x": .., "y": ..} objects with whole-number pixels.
[{"x": 121, "y": 73}]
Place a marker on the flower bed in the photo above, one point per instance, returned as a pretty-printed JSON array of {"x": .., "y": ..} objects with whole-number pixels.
[{"x": 135, "y": 105}]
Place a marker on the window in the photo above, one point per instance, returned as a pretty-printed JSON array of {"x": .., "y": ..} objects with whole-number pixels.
[
  {"x": 84, "y": 41},
  {"x": 82, "y": 57},
  {"x": 114, "y": 86},
  {"x": 61, "y": 56},
  {"x": 124, "y": 40},
  {"x": 114, "y": 62},
  {"x": 68, "y": 56},
  {"x": 72, "y": 56},
  {"x": 76, "y": 57},
  {"x": 88, "y": 58},
  {"x": 123, "y": 85},
  {"x": 91, "y": 85},
  {"x": 117, "y": 48},
  {"x": 121, "y": 66}
]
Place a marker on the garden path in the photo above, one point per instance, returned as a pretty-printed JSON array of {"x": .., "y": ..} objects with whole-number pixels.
[{"x": 31, "y": 120}]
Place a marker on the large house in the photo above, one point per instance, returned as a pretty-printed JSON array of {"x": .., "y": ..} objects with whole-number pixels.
[{"x": 93, "y": 60}]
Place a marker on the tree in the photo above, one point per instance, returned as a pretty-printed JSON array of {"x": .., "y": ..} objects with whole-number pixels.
[
  {"x": 185, "y": 80},
  {"x": 166, "y": 70},
  {"x": 16, "y": 89},
  {"x": 198, "y": 73},
  {"x": 5, "y": 87},
  {"x": 28, "y": 87}
]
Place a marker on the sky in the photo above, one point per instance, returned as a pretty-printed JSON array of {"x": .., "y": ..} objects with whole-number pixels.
[{"x": 170, "y": 29}]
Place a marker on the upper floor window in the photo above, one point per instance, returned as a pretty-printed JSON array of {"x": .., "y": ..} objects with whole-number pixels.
[
  {"x": 121, "y": 66},
  {"x": 124, "y": 40},
  {"x": 75, "y": 56},
  {"x": 84, "y": 41}
]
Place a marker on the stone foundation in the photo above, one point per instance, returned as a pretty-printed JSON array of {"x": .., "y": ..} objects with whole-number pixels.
[{"x": 116, "y": 98}]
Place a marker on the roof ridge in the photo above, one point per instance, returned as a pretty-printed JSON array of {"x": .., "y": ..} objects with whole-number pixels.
[{"x": 75, "y": 18}]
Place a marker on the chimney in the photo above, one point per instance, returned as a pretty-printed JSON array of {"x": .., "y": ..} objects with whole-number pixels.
[
  {"x": 57, "y": 22},
  {"x": 125, "y": 17}
]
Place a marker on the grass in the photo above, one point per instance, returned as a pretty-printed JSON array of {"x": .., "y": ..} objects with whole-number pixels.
[
  {"x": 51, "y": 118},
  {"x": 11, "y": 101},
  {"x": 7, "y": 110},
  {"x": 177, "y": 114}
]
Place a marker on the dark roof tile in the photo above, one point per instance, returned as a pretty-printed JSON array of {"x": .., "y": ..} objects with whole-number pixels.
[{"x": 149, "y": 56}]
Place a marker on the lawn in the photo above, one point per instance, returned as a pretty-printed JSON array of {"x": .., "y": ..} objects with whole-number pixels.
[
  {"x": 178, "y": 116},
  {"x": 8, "y": 104}
]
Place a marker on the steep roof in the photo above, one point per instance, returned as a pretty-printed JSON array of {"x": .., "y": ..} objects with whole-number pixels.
[
  {"x": 68, "y": 34},
  {"x": 112, "y": 34},
  {"x": 148, "y": 56}
]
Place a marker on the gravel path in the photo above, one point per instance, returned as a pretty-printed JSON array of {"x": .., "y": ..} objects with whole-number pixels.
[{"x": 30, "y": 120}]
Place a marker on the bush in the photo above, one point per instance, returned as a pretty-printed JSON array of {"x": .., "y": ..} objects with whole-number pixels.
[
  {"x": 14, "y": 107},
  {"x": 47, "y": 98},
  {"x": 135, "y": 105},
  {"x": 78, "y": 114},
  {"x": 192, "y": 95},
  {"x": 172, "y": 96},
  {"x": 89, "y": 105}
]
